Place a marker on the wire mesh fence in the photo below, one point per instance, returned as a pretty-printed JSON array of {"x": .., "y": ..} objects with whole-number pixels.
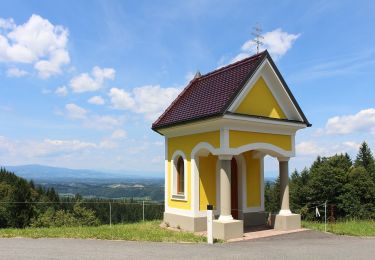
[{"x": 104, "y": 212}]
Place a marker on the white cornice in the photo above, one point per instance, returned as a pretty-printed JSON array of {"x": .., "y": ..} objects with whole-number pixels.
[{"x": 234, "y": 122}]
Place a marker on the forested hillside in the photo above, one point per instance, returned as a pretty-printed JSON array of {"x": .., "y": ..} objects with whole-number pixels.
[{"x": 347, "y": 186}]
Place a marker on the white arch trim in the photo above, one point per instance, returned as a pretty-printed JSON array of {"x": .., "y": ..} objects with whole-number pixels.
[
  {"x": 173, "y": 186},
  {"x": 270, "y": 149},
  {"x": 203, "y": 149},
  {"x": 206, "y": 147}
]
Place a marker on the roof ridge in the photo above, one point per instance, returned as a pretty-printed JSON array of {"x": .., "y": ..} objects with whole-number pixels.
[{"x": 232, "y": 65}]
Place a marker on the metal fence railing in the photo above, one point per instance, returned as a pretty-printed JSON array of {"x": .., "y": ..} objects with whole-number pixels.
[{"x": 106, "y": 212}]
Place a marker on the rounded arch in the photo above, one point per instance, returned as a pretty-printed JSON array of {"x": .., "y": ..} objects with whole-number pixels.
[
  {"x": 266, "y": 148},
  {"x": 175, "y": 182},
  {"x": 202, "y": 149}
]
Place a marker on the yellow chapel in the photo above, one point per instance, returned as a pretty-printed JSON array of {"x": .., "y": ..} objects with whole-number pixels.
[{"x": 217, "y": 133}]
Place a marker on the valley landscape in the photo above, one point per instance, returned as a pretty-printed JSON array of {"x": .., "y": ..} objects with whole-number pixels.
[{"x": 92, "y": 184}]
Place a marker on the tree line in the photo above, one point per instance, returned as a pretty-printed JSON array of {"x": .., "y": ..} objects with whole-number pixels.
[{"x": 347, "y": 186}]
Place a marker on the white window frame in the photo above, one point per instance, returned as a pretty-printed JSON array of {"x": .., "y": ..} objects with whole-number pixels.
[{"x": 175, "y": 195}]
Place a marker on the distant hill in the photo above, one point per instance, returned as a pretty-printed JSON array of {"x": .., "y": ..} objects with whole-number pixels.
[{"x": 42, "y": 172}]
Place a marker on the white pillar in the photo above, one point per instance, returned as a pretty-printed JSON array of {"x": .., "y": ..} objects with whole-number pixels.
[
  {"x": 225, "y": 188},
  {"x": 284, "y": 186}
]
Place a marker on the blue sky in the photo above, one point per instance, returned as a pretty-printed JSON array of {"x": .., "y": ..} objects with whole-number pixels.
[{"x": 81, "y": 82}]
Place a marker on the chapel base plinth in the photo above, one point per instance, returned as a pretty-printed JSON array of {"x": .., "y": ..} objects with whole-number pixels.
[
  {"x": 192, "y": 224},
  {"x": 226, "y": 230},
  {"x": 286, "y": 222}
]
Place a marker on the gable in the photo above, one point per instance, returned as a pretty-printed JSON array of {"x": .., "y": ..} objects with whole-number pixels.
[
  {"x": 260, "y": 102},
  {"x": 266, "y": 94}
]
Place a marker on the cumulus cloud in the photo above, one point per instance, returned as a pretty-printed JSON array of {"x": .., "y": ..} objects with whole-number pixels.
[
  {"x": 363, "y": 121},
  {"x": 96, "y": 100},
  {"x": 85, "y": 82},
  {"x": 328, "y": 148},
  {"x": 277, "y": 42},
  {"x": 61, "y": 91},
  {"x": 36, "y": 42},
  {"x": 90, "y": 120},
  {"x": 33, "y": 149},
  {"x": 149, "y": 100},
  {"x": 16, "y": 73},
  {"x": 75, "y": 112},
  {"x": 7, "y": 24}
]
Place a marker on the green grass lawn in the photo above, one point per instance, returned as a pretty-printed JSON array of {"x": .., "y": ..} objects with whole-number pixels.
[
  {"x": 349, "y": 227},
  {"x": 142, "y": 231}
]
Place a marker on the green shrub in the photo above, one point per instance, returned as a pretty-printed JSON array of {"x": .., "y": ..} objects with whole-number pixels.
[{"x": 80, "y": 216}]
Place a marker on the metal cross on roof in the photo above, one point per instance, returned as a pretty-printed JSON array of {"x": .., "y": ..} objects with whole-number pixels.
[{"x": 258, "y": 36}]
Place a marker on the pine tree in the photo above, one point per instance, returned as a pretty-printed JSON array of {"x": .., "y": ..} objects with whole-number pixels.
[{"x": 366, "y": 159}]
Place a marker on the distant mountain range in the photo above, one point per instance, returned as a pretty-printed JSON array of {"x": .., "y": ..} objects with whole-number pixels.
[{"x": 42, "y": 172}]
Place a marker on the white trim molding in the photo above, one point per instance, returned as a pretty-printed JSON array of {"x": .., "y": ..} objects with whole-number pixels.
[
  {"x": 201, "y": 149},
  {"x": 173, "y": 187},
  {"x": 266, "y": 148},
  {"x": 166, "y": 187},
  {"x": 234, "y": 122}
]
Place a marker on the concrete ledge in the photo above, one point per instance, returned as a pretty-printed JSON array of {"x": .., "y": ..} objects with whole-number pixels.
[
  {"x": 286, "y": 222},
  {"x": 255, "y": 218},
  {"x": 226, "y": 230},
  {"x": 186, "y": 223}
]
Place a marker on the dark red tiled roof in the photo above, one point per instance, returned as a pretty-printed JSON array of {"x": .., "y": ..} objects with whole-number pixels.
[{"x": 209, "y": 94}]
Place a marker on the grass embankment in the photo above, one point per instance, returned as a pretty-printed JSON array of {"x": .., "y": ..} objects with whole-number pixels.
[
  {"x": 142, "y": 231},
  {"x": 348, "y": 227}
]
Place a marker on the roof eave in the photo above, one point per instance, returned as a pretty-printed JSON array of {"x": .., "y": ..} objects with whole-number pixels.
[
  {"x": 305, "y": 120},
  {"x": 184, "y": 122}
]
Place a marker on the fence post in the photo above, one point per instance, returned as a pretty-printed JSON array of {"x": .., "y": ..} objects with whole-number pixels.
[
  {"x": 110, "y": 214},
  {"x": 325, "y": 216},
  {"x": 143, "y": 210},
  {"x": 210, "y": 217}
]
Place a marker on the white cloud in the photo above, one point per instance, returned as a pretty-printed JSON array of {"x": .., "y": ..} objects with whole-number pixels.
[
  {"x": 75, "y": 112},
  {"x": 96, "y": 100},
  {"x": 101, "y": 74},
  {"x": 119, "y": 134},
  {"x": 35, "y": 42},
  {"x": 363, "y": 121},
  {"x": 277, "y": 42},
  {"x": 308, "y": 148},
  {"x": 61, "y": 91},
  {"x": 85, "y": 83},
  {"x": 89, "y": 120},
  {"x": 7, "y": 23},
  {"x": 326, "y": 148},
  {"x": 121, "y": 99},
  {"x": 26, "y": 149},
  {"x": 149, "y": 100},
  {"x": 16, "y": 72}
]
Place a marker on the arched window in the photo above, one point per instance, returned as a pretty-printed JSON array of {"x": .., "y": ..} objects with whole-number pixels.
[{"x": 180, "y": 175}]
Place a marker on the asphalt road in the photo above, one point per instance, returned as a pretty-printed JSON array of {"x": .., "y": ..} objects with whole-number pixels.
[{"x": 302, "y": 245}]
